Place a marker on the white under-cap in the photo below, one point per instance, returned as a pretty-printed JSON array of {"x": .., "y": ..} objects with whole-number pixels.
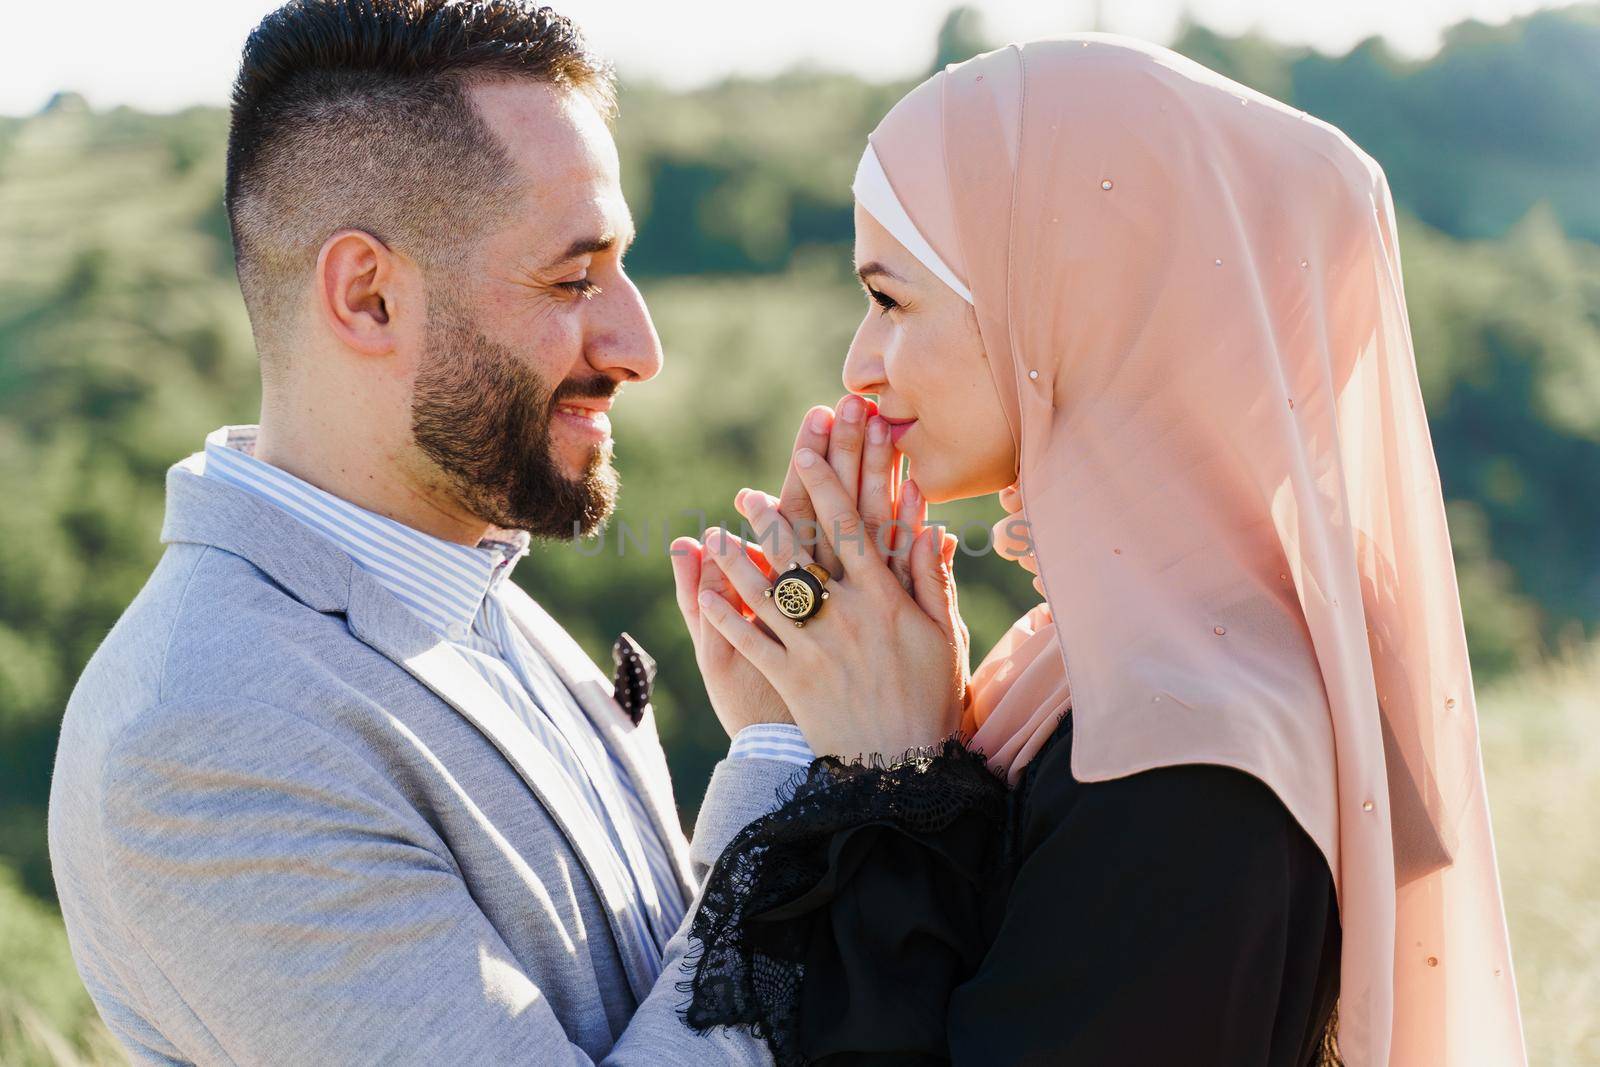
[{"x": 873, "y": 192}]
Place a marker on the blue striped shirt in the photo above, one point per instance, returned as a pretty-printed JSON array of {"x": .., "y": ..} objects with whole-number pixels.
[
  {"x": 771, "y": 740},
  {"x": 455, "y": 590}
]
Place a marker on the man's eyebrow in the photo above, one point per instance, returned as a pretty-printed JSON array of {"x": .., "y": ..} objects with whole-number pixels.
[
  {"x": 589, "y": 245},
  {"x": 867, "y": 270}
]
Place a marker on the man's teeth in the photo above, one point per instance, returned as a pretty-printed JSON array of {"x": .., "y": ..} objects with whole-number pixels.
[{"x": 582, "y": 413}]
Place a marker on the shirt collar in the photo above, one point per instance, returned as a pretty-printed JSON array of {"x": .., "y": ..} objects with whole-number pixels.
[{"x": 442, "y": 582}]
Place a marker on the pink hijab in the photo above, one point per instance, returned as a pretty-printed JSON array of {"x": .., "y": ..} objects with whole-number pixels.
[{"x": 1190, "y": 299}]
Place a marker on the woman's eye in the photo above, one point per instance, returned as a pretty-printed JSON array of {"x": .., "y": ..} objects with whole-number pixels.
[
  {"x": 582, "y": 287},
  {"x": 882, "y": 299}
]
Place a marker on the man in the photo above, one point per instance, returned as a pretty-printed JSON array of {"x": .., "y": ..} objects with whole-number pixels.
[{"x": 334, "y": 790}]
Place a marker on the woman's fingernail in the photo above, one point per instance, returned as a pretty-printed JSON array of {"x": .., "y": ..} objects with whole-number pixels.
[
  {"x": 805, "y": 457},
  {"x": 877, "y": 430},
  {"x": 819, "y": 420},
  {"x": 911, "y": 491},
  {"x": 853, "y": 409},
  {"x": 707, "y": 598}
]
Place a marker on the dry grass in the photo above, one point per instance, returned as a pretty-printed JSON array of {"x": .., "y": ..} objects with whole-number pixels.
[
  {"x": 1540, "y": 734},
  {"x": 28, "y": 1039}
]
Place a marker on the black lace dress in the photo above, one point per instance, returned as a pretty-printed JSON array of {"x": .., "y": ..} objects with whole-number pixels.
[{"x": 923, "y": 913}]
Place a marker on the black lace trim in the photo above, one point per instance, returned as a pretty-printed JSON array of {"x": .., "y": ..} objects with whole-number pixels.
[{"x": 749, "y": 936}]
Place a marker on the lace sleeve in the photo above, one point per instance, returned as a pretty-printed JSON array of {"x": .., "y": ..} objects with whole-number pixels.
[{"x": 838, "y": 924}]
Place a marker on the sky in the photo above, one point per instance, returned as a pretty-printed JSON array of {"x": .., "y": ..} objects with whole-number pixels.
[{"x": 161, "y": 55}]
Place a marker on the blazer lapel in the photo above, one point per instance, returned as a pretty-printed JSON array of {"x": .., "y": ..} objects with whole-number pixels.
[
  {"x": 637, "y": 745},
  {"x": 390, "y": 628}
]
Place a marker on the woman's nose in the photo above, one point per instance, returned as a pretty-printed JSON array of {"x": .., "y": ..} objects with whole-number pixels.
[{"x": 863, "y": 364}]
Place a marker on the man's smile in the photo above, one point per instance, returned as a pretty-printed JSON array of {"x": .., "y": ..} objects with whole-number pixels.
[{"x": 588, "y": 417}]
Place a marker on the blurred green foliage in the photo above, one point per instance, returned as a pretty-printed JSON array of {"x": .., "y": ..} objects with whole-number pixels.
[{"x": 123, "y": 340}]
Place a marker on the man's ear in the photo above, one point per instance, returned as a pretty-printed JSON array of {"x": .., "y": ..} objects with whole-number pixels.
[{"x": 360, "y": 290}]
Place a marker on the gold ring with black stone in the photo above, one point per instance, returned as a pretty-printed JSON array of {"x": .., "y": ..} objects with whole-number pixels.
[{"x": 798, "y": 592}]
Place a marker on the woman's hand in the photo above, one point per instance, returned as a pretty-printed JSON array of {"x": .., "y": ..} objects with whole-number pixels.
[
  {"x": 739, "y": 694},
  {"x": 879, "y": 669},
  {"x": 869, "y": 470},
  {"x": 869, "y": 466}
]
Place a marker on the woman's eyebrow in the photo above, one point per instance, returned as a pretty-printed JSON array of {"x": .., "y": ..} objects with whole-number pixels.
[{"x": 867, "y": 270}]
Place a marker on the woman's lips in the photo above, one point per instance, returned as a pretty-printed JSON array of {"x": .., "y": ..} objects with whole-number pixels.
[{"x": 898, "y": 429}]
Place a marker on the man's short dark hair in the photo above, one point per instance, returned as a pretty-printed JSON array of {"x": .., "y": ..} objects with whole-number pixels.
[{"x": 356, "y": 113}]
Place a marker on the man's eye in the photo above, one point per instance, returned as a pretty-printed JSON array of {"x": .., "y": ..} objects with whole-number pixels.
[
  {"x": 882, "y": 299},
  {"x": 582, "y": 287}
]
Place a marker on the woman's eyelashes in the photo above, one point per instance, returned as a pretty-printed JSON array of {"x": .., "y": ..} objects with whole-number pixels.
[{"x": 882, "y": 299}]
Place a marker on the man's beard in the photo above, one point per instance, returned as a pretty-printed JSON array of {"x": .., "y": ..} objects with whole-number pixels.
[{"x": 483, "y": 416}]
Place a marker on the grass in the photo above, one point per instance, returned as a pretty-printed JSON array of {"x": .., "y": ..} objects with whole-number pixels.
[{"x": 1540, "y": 734}]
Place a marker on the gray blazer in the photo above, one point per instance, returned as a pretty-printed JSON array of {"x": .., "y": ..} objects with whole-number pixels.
[{"x": 290, "y": 825}]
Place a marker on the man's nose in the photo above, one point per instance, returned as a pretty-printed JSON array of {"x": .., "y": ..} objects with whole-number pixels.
[{"x": 624, "y": 342}]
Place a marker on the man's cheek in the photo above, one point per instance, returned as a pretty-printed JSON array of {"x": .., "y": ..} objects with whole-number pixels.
[{"x": 551, "y": 334}]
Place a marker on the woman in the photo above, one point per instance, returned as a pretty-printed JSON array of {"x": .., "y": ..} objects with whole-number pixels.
[{"x": 1162, "y": 314}]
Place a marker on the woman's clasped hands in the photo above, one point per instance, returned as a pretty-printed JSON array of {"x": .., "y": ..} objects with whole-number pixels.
[{"x": 882, "y": 667}]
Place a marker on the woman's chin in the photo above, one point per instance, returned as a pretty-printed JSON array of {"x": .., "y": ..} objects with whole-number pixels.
[
  {"x": 930, "y": 481},
  {"x": 941, "y": 484}
]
